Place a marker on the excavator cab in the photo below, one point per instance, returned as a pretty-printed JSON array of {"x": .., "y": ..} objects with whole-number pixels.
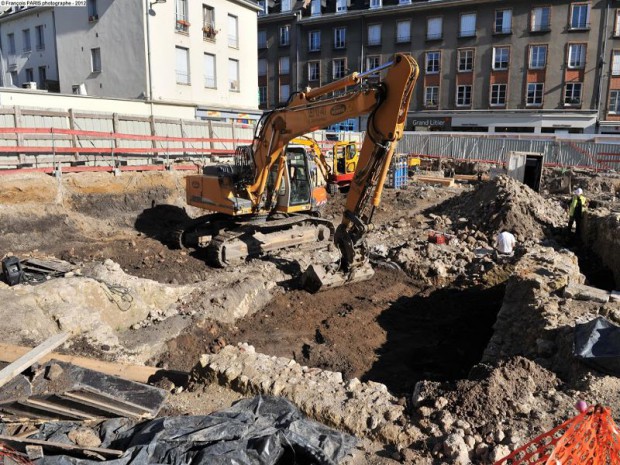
[{"x": 302, "y": 187}]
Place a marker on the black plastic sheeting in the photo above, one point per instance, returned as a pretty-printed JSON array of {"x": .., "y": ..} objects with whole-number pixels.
[
  {"x": 257, "y": 431},
  {"x": 597, "y": 343}
]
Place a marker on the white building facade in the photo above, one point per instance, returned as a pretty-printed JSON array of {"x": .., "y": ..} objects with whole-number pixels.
[
  {"x": 176, "y": 52},
  {"x": 28, "y": 45}
]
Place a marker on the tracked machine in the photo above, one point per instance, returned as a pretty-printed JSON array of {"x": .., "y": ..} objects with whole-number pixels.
[{"x": 269, "y": 197}]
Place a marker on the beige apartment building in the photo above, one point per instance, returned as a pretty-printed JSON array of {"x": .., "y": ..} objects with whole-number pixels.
[{"x": 486, "y": 65}]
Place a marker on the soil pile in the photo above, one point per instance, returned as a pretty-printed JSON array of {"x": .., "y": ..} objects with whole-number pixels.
[{"x": 505, "y": 204}]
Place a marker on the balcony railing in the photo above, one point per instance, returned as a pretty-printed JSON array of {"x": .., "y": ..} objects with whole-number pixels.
[
  {"x": 233, "y": 41},
  {"x": 182, "y": 24},
  {"x": 209, "y": 32},
  {"x": 541, "y": 28},
  {"x": 403, "y": 38},
  {"x": 373, "y": 41},
  {"x": 579, "y": 26},
  {"x": 434, "y": 35},
  {"x": 210, "y": 82},
  {"x": 467, "y": 33}
]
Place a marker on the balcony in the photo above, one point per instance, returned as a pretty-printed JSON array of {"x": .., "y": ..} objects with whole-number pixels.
[
  {"x": 182, "y": 25},
  {"x": 209, "y": 32}
]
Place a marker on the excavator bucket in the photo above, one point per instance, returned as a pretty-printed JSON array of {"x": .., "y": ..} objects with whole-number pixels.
[{"x": 319, "y": 278}]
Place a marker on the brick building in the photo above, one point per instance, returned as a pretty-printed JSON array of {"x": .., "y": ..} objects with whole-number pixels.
[{"x": 486, "y": 65}]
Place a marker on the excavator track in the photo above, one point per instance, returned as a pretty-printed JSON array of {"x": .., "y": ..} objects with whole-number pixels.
[{"x": 235, "y": 246}]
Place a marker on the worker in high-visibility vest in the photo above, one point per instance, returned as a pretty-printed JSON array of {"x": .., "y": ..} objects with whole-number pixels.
[{"x": 575, "y": 211}]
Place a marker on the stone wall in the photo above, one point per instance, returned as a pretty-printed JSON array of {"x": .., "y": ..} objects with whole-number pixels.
[{"x": 601, "y": 232}]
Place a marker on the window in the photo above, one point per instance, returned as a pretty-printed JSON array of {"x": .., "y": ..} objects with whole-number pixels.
[
  {"x": 341, "y": 6},
  {"x": 538, "y": 56},
  {"x": 93, "y": 14},
  {"x": 501, "y": 58},
  {"x": 14, "y": 80},
  {"x": 375, "y": 4},
  {"x": 233, "y": 75},
  {"x": 262, "y": 95},
  {"x": 285, "y": 92},
  {"x": 535, "y": 93},
  {"x": 314, "y": 41},
  {"x": 262, "y": 67},
  {"x": 468, "y": 25},
  {"x": 431, "y": 96},
  {"x": 42, "y": 83},
  {"x": 182, "y": 24},
  {"x": 233, "y": 31},
  {"x": 264, "y": 7},
  {"x": 434, "y": 28},
  {"x": 29, "y": 75},
  {"x": 11, "y": 39},
  {"x": 208, "y": 23},
  {"x": 466, "y": 59},
  {"x": 404, "y": 2},
  {"x": 576, "y": 55},
  {"x": 403, "y": 31},
  {"x": 503, "y": 21},
  {"x": 286, "y": 5},
  {"x": 541, "y": 19},
  {"x": 617, "y": 24},
  {"x": 39, "y": 37},
  {"x": 572, "y": 93},
  {"x": 372, "y": 62},
  {"x": 95, "y": 60},
  {"x": 26, "y": 40},
  {"x": 262, "y": 39},
  {"x": 314, "y": 71},
  {"x": 338, "y": 68},
  {"x": 463, "y": 96},
  {"x": 614, "y": 102},
  {"x": 284, "y": 65},
  {"x": 374, "y": 34},
  {"x": 615, "y": 63},
  {"x": 209, "y": 70},
  {"x": 580, "y": 16},
  {"x": 340, "y": 37},
  {"x": 432, "y": 62},
  {"x": 498, "y": 94},
  {"x": 182, "y": 66},
  {"x": 284, "y": 35},
  {"x": 315, "y": 8}
]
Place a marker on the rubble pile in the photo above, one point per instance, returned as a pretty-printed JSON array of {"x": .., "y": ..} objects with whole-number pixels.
[
  {"x": 503, "y": 204},
  {"x": 364, "y": 409}
]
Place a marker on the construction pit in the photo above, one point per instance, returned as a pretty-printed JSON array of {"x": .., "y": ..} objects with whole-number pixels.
[{"x": 449, "y": 354}]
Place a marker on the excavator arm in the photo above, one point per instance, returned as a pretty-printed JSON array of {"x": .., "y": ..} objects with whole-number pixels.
[{"x": 385, "y": 128}]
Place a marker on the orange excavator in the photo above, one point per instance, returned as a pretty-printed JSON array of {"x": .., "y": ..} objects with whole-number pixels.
[{"x": 265, "y": 201}]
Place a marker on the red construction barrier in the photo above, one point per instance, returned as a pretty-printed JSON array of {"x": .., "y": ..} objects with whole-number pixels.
[{"x": 589, "y": 438}]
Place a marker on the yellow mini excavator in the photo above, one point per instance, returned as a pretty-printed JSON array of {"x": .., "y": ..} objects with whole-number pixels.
[{"x": 266, "y": 200}]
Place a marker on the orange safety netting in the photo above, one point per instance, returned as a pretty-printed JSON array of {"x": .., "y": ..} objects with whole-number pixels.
[
  {"x": 590, "y": 438},
  {"x": 16, "y": 457}
]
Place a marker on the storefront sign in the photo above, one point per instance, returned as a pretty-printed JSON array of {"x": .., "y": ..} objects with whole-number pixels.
[{"x": 441, "y": 122}]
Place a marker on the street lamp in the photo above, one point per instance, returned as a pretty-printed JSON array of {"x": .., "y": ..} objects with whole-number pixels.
[{"x": 150, "y": 12}]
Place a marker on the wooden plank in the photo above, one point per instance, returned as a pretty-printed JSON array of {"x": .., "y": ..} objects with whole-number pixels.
[
  {"x": 57, "y": 409},
  {"x": 28, "y": 359},
  {"x": 139, "y": 373},
  {"x": 85, "y": 399},
  {"x": 62, "y": 446}
]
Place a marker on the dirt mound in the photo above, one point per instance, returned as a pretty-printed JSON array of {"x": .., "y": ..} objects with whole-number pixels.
[{"x": 505, "y": 204}]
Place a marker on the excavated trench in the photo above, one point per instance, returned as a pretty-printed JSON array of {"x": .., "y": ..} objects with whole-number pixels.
[{"x": 388, "y": 330}]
